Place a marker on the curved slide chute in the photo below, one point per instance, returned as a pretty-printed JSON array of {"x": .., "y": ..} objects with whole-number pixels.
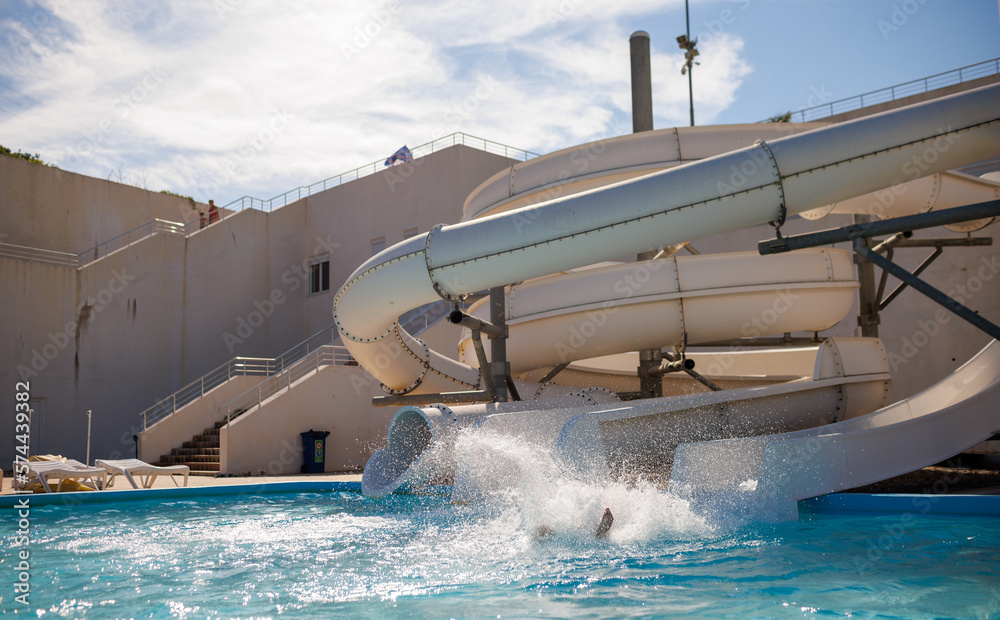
[
  {"x": 761, "y": 183},
  {"x": 944, "y": 190},
  {"x": 646, "y": 304},
  {"x": 772, "y": 472}
]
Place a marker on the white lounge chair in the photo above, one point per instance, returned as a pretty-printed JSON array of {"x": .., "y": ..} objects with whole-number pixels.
[
  {"x": 134, "y": 467},
  {"x": 44, "y": 471}
]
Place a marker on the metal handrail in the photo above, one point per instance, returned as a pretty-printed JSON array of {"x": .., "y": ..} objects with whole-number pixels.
[
  {"x": 457, "y": 138},
  {"x": 326, "y": 355},
  {"x": 37, "y": 255},
  {"x": 238, "y": 366},
  {"x": 906, "y": 89},
  {"x": 154, "y": 226},
  {"x": 128, "y": 238}
]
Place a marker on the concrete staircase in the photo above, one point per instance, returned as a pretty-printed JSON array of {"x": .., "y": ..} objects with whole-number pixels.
[{"x": 201, "y": 453}]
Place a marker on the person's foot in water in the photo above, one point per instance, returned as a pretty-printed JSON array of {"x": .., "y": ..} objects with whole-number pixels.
[{"x": 605, "y": 524}]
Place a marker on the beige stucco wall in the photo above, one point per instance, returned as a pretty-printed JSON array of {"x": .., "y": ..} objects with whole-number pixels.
[
  {"x": 924, "y": 342},
  {"x": 172, "y": 431},
  {"x": 45, "y": 207},
  {"x": 123, "y": 332},
  {"x": 335, "y": 399}
]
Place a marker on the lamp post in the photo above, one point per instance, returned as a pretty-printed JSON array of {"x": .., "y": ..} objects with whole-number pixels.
[
  {"x": 88, "y": 438},
  {"x": 687, "y": 44}
]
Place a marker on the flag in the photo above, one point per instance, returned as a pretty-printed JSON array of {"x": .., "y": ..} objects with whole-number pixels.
[{"x": 403, "y": 155}]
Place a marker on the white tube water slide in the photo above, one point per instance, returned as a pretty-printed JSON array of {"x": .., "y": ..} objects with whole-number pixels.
[{"x": 749, "y": 186}]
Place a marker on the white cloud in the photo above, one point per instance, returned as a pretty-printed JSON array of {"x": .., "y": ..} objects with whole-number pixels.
[{"x": 188, "y": 91}]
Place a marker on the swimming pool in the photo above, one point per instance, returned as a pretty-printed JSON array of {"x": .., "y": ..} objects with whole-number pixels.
[{"x": 337, "y": 554}]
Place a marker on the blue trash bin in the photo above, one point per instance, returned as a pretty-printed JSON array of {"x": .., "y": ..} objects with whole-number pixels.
[{"x": 314, "y": 451}]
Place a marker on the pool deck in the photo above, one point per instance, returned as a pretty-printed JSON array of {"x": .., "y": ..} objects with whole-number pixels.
[{"x": 164, "y": 482}]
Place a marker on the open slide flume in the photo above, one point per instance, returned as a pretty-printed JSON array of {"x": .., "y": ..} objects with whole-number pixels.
[
  {"x": 553, "y": 250},
  {"x": 772, "y": 472}
]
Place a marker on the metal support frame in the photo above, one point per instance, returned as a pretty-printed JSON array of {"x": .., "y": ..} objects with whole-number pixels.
[
  {"x": 650, "y": 384},
  {"x": 861, "y": 232},
  {"x": 497, "y": 382},
  {"x": 499, "y": 368},
  {"x": 445, "y": 398},
  {"x": 868, "y": 318},
  {"x": 957, "y": 308}
]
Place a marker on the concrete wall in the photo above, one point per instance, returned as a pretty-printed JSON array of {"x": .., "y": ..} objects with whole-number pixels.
[
  {"x": 924, "y": 342},
  {"x": 172, "y": 431},
  {"x": 413, "y": 196},
  {"x": 45, "y": 207},
  {"x": 129, "y": 329},
  {"x": 335, "y": 399}
]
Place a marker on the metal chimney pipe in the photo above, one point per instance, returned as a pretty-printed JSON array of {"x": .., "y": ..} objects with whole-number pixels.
[
  {"x": 650, "y": 384},
  {"x": 642, "y": 86}
]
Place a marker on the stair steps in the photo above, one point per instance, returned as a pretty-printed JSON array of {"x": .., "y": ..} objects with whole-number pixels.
[{"x": 201, "y": 452}]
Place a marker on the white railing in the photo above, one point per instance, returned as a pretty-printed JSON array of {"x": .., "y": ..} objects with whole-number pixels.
[
  {"x": 236, "y": 367},
  {"x": 899, "y": 91},
  {"x": 37, "y": 255},
  {"x": 457, "y": 138},
  {"x": 74, "y": 261},
  {"x": 327, "y": 355},
  {"x": 128, "y": 238},
  {"x": 143, "y": 231}
]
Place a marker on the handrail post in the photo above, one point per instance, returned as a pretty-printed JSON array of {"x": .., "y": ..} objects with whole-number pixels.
[
  {"x": 143, "y": 420},
  {"x": 174, "y": 398}
]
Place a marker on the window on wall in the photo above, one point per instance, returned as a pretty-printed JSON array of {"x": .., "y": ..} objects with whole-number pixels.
[
  {"x": 319, "y": 276},
  {"x": 378, "y": 245},
  {"x": 410, "y": 232}
]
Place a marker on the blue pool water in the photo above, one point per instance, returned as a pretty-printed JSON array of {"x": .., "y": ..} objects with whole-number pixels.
[{"x": 338, "y": 554}]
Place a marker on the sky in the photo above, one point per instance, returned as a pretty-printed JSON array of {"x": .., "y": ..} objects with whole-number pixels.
[{"x": 226, "y": 98}]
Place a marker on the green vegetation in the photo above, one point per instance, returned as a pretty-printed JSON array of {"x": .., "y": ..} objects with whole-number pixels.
[
  {"x": 170, "y": 193},
  {"x": 35, "y": 159},
  {"x": 781, "y": 118}
]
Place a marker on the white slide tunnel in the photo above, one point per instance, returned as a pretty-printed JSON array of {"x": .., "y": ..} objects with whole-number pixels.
[{"x": 750, "y": 186}]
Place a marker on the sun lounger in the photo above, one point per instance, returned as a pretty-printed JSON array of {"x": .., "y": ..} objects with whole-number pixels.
[
  {"x": 134, "y": 467},
  {"x": 44, "y": 471}
]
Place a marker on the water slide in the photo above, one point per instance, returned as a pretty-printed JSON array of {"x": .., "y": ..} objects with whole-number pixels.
[
  {"x": 661, "y": 198},
  {"x": 771, "y": 472}
]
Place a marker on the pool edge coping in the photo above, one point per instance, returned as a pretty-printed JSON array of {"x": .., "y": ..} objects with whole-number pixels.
[{"x": 833, "y": 504}]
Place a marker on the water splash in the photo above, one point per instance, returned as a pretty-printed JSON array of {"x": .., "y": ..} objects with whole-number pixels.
[{"x": 521, "y": 481}]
